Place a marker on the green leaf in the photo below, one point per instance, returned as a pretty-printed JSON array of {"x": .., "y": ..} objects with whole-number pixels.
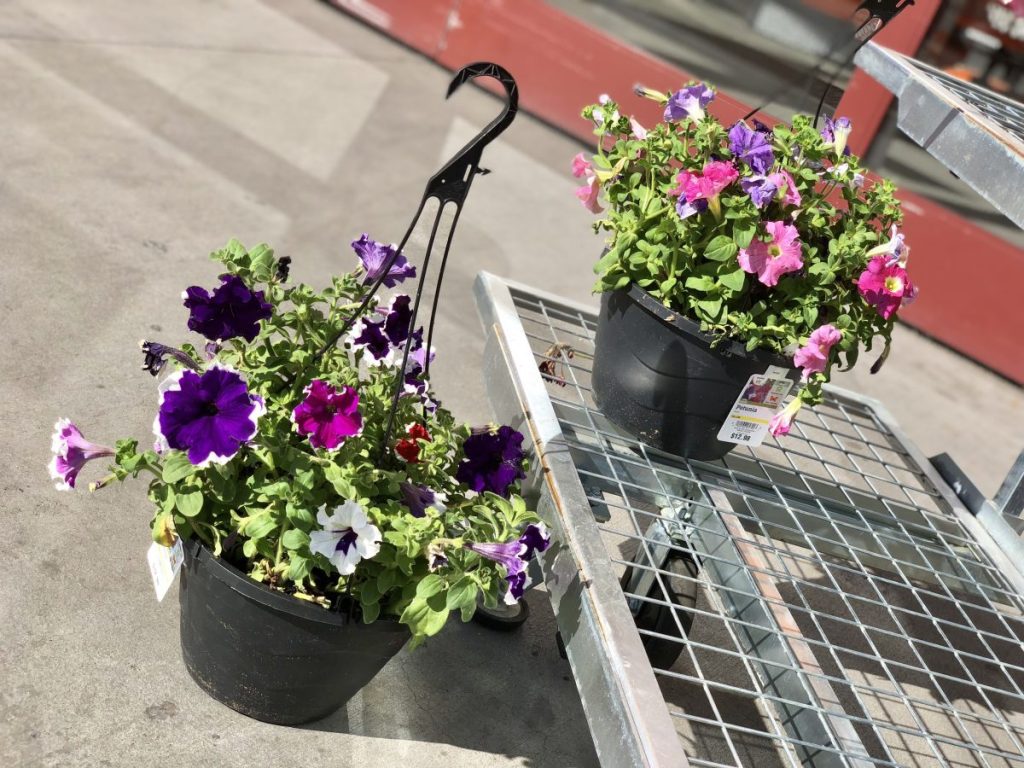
[
  {"x": 733, "y": 280},
  {"x": 429, "y": 586},
  {"x": 368, "y": 593},
  {"x": 461, "y": 594},
  {"x": 262, "y": 263},
  {"x": 703, "y": 283},
  {"x": 259, "y": 526},
  {"x": 190, "y": 503},
  {"x": 370, "y": 612},
  {"x": 710, "y": 309},
  {"x": 177, "y": 467},
  {"x": 722, "y": 248},
  {"x": 743, "y": 234},
  {"x": 386, "y": 580},
  {"x": 295, "y": 539}
]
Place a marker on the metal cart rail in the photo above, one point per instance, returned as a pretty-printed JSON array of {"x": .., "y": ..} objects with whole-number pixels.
[{"x": 823, "y": 600}]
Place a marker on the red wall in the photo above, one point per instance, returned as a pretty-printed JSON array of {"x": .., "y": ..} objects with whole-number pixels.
[{"x": 561, "y": 64}]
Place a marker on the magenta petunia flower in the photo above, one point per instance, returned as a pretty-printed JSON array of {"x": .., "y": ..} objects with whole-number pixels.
[
  {"x": 885, "y": 285},
  {"x": 778, "y": 256},
  {"x": 209, "y": 415},
  {"x": 71, "y": 452},
  {"x": 782, "y": 421},
  {"x": 813, "y": 356},
  {"x": 328, "y": 416},
  {"x": 375, "y": 258},
  {"x": 698, "y": 192},
  {"x": 688, "y": 102}
]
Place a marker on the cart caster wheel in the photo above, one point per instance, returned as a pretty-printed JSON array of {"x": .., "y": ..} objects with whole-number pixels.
[
  {"x": 503, "y": 618},
  {"x": 561, "y": 645},
  {"x": 663, "y": 652}
]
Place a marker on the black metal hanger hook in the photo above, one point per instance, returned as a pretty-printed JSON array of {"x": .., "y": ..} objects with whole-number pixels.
[{"x": 451, "y": 182}]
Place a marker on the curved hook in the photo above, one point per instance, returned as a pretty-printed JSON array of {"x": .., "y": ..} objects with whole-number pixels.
[{"x": 451, "y": 182}]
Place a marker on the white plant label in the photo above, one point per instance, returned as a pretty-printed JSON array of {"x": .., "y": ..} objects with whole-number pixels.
[
  {"x": 759, "y": 399},
  {"x": 164, "y": 564}
]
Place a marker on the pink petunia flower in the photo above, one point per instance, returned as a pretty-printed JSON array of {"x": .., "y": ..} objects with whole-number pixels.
[
  {"x": 788, "y": 192},
  {"x": 778, "y": 256},
  {"x": 813, "y": 356},
  {"x": 885, "y": 285},
  {"x": 700, "y": 192},
  {"x": 588, "y": 194},
  {"x": 782, "y": 421},
  {"x": 638, "y": 130},
  {"x": 581, "y": 166},
  {"x": 328, "y": 416}
]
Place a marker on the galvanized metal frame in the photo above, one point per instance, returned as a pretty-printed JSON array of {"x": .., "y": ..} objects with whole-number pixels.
[
  {"x": 977, "y": 134},
  {"x": 756, "y": 525}
]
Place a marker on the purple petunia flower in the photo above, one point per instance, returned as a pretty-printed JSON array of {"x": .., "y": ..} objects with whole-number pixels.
[
  {"x": 231, "y": 311},
  {"x": 71, "y": 452},
  {"x": 514, "y": 556},
  {"x": 209, "y": 415},
  {"x": 493, "y": 460},
  {"x": 688, "y": 102},
  {"x": 376, "y": 257},
  {"x": 327, "y": 415},
  {"x": 752, "y": 147},
  {"x": 156, "y": 355},
  {"x": 762, "y": 189},
  {"x": 399, "y": 319},
  {"x": 837, "y": 133},
  {"x": 418, "y": 498},
  {"x": 370, "y": 337},
  {"x": 686, "y": 209}
]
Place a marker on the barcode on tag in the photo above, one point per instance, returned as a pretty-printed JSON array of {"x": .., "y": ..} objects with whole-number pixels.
[{"x": 758, "y": 400}]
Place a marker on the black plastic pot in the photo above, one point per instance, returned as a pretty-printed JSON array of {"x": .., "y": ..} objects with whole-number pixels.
[
  {"x": 657, "y": 377},
  {"x": 268, "y": 655}
]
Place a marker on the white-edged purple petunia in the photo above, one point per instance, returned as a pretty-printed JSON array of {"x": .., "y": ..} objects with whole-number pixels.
[
  {"x": 381, "y": 260},
  {"x": 419, "y": 498},
  {"x": 209, "y": 415},
  {"x": 514, "y": 556},
  {"x": 71, "y": 452},
  {"x": 347, "y": 537},
  {"x": 369, "y": 336},
  {"x": 328, "y": 416},
  {"x": 231, "y": 311}
]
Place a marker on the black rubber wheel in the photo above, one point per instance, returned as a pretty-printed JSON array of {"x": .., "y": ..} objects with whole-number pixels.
[
  {"x": 655, "y": 617},
  {"x": 504, "y": 618}
]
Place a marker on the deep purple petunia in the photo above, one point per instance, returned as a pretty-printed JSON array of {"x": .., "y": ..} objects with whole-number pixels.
[
  {"x": 514, "y": 556},
  {"x": 231, "y": 311},
  {"x": 399, "y": 319},
  {"x": 210, "y": 415},
  {"x": 156, "y": 355},
  {"x": 327, "y": 415},
  {"x": 370, "y": 337},
  {"x": 752, "y": 147},
  {"x": 418, "y": 498},
  {"x": 493, "y": 460},
  {"x": 375, "y": 257},
  {"x": 688, "y": 102}
]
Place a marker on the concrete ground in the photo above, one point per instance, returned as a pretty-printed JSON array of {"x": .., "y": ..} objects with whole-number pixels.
[{"x": 132, "y": 142}]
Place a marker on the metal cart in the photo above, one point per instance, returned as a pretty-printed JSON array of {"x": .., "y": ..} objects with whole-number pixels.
[{"x": 825, "y": 600}]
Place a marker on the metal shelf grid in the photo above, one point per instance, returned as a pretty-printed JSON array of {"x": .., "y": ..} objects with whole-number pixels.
[
  {"x": 976, "y": 133},
  {"x": 830, "y": 602}
]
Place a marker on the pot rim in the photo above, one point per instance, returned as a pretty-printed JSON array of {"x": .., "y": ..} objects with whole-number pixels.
[
  {"x": 691, "y": 328},
  {"x": 264, "y": 595}
]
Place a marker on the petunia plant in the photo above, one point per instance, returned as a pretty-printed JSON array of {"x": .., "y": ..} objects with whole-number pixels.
[
  {"x": 324, "y": 471},
  {"x": 772, "y": 236}
]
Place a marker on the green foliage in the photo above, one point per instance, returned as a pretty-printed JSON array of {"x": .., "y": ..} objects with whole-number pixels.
[
  {"x": 691, "y": 264},
  {"x": 260, "y": 508}
]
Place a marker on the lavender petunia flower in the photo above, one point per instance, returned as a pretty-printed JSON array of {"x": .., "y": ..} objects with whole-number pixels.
[
  {"x": 752, "y": 147},
  {"x": 685, "y": 209},
  {"x": 71, "y": 452},
  {"x": 837, "y": 133},
  {"x": 328, "y": 416},
  {"x": 347, "y": 537},
  {"x": 688, "y": 102},
  {"x": 375, "y": 258},
  {"x": 762, "y": 189},
  {"x": 156, "y": 355},
  {"x": 418, "y": 498},
  {"x": 493, "y": 460},
  {"x": 209, "y": 415},
  {"x": 231, "y": 311},
  {"x": 514, "y": 556}
]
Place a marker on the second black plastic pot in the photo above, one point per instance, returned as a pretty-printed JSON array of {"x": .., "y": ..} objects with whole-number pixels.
[
  {"x": 268, "y": 655},
  {"x": 657, "y": 377}
]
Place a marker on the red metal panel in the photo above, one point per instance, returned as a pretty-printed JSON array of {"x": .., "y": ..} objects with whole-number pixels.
[{"x": 561, "y": 64}]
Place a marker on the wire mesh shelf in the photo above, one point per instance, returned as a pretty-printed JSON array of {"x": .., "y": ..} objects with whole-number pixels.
[
  {"x": 819, "y": 601},
  {"x": 976, "y": 133}
]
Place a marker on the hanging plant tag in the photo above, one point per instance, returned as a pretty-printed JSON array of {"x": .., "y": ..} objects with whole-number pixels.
[
  {"x": 759, "y": 399},
  {"x": 164, "y": 564}
]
